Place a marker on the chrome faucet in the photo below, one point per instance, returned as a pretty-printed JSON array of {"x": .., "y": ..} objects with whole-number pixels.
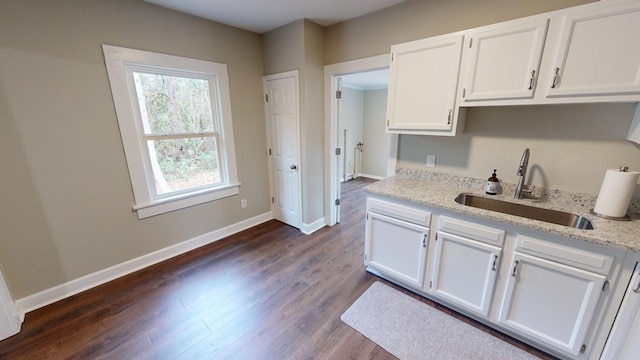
[{"x": 521, "y": 188}]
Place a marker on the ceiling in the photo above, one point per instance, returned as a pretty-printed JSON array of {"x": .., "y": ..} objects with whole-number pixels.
[
  {"x": 261, "y": 16},
  {"x": 370, "y": 80}
]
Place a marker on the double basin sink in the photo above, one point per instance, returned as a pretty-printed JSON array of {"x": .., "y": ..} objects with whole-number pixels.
[{"x": 530, "y": 212}]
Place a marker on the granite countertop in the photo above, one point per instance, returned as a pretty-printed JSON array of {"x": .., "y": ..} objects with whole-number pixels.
[{"x": 439, "y": 190}]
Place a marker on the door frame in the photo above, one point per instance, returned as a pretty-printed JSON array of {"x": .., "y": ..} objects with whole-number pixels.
[
  {"x": 265, "y": 79},
  {"x": 10, "y": 320},
  {"x": 332, "y": 73}
]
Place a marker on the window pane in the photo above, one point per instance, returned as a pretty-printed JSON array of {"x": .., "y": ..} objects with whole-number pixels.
[
  {"x": 173, "y": 105},
  {"x": 180, "y": 164}
]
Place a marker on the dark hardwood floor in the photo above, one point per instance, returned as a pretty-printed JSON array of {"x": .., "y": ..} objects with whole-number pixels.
[{"x": 268, "y": 292}]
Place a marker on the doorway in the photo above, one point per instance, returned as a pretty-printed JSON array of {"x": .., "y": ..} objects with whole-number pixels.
[
  {"x": 333, "y": 149},
  {"x": 361, "y": 123}
]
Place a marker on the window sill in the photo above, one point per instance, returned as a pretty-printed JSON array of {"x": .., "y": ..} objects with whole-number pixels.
[{"x": 184, "y": 200}]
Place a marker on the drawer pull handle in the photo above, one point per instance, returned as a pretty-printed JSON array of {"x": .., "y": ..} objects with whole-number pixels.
[
  {"x": 495, "y": 262},
  {"x": 637, "y": 289},
  {"x": 514, "y": 272},
  {"x": 449, "y": 117},
  {"x": 554, "y": 83},
  {"x": 424, "y": 240},
  {"x": 533, "y": 76}
]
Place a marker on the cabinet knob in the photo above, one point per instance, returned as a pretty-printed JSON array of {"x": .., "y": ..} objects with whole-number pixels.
[{"x": 293, "y": 167}]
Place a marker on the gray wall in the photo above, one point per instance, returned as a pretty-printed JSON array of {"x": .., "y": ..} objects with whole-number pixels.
[
  {"x": 571, "y": 146},
  {"x": 376, "y": 140},
  {"x": 364, "y": 114},
  {"x": 373, "y": 34},
  {"x": 351, "y": 119},
  {"x": 300, "y": 46},
  {"x": 66, "y": 195}
]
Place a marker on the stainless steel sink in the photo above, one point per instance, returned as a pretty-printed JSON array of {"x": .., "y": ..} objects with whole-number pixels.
[{"x": 526, "y": 211}]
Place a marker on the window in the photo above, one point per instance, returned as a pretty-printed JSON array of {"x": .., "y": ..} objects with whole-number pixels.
[{"x": 174, "y": 115}]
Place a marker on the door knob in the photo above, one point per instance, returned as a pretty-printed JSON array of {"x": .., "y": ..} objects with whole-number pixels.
[{"x": 293, "y": 167}]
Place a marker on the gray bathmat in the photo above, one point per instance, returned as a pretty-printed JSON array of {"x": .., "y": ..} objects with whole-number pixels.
[{"x": 409, "y": 329}]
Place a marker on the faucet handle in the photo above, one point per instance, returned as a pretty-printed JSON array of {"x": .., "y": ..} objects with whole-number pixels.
[{"x": 527, "y": 190}]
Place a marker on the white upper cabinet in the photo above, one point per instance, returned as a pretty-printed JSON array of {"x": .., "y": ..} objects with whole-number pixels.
[
  {"x": 598, "y": 53},
  {"x": 504, "y": 61},
  {"x": 584, "y": 54},
  {"x": 423, "y": 86}
]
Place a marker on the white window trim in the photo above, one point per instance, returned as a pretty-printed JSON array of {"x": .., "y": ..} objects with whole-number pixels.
[{"x": 118, "y": 60}]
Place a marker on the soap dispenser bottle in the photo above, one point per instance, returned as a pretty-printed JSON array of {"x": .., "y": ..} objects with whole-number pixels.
[{"x": 493, "y": 184}]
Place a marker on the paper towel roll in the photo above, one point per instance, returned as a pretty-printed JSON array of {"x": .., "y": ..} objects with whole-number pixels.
[{"x": 616, "y": 192}]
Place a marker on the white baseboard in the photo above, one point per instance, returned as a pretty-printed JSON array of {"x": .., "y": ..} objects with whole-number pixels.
[
  {"x": 375, "y": 177},
  {"x": 309, "y": 229},
  {"x": 56, "y": 293}
]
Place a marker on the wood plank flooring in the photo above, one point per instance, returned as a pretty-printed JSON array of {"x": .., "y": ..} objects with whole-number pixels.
[{"x": 269, "y": 292}]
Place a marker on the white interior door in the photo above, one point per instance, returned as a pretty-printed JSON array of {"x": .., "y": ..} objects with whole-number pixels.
[
  {"x": 340, "y": 154},
  {"x": 283, "y": 123}
]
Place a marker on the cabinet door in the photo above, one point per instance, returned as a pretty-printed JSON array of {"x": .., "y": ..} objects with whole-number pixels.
[
  {"x": 623, "y": 343},
  {"x": 396, "y": 248},
  {"x": 504, "y": 61},
  {"x": 422, "y": 86},
  {"x": 464, "y": 272},
  {"x": 550, "y": 302},
  {"x": 598, "y": 53}
]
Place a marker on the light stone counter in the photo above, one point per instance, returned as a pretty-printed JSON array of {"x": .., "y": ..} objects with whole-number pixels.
[{"x": 439, "y": 190}]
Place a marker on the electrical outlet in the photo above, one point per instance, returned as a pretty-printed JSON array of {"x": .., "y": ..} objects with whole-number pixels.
[
  {"x": 431, "y": 161},
  {"x": 243, "y": 203}
]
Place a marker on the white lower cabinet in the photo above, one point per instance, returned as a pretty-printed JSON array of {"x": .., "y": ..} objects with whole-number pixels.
[
  {"x": 624, "y": 340},
  {"x": 395, "y": 246},
  {"x": 550, "y": 302},
  {"x": 555, "y": 293},
  {"x": 465, "y": 267}
]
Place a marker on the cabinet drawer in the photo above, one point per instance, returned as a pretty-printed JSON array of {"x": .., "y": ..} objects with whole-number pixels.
[
  {"x": 471, "y": 230},
  {"x": 582, "y": 259},
  {"x": 400, "y": 211}
]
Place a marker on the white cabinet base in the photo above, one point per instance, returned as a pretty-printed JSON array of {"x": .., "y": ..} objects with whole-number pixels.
[
  {"x": 464, "y": 272},
  {"x": 624, "y": 340},
  {"x": 550, "y": 302},
  {"x": 397, "y": 248}
]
